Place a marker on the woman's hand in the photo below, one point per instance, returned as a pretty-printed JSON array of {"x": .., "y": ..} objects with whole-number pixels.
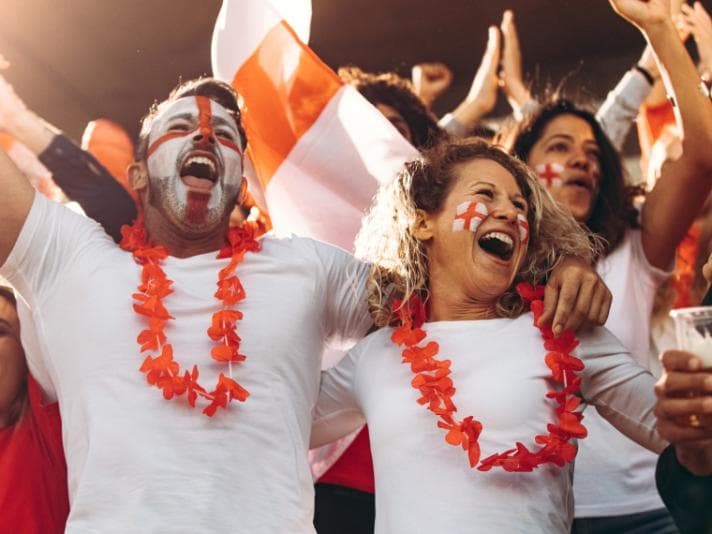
[
  {"x": 430, "y": 80},
  {"x": 707, "y": 270},
  {"x": 510, "y": 77},
  {"x": 698, "y": 22},
  {"x": 482, "y": 96},
  {"x": 684, "y": 410},
  {"x": 575, "y": 295},
  {"x": 644, "y": 14}
]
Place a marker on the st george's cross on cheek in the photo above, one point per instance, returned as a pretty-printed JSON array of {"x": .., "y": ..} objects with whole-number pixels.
[
  {"x": 549, "y": 174},
  {"x": 523, "y": 226},
  {"x": 469, "y": 215}
]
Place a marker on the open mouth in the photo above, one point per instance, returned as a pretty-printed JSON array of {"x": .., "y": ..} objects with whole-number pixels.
[
  {"x": 583, "y": 183},
  {"x": 498, "y": 244},
  {"x": 199, "y": 172}
]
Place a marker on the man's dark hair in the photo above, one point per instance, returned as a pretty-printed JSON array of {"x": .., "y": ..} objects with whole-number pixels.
[
  {"x": 390, "y": 89},
  {"x": 215, "y": 90}
]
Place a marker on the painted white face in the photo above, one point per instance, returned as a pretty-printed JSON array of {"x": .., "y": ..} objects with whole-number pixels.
[{"x": 194, "y": 163}]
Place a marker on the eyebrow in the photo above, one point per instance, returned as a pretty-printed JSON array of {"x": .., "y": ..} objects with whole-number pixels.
[
  {"x": 569, "y": 138},
  {"x": 483, "y": 182},
  {"x": 216, "y": 120}
]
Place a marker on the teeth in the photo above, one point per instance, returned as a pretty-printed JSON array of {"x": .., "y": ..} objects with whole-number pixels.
[
  {"x": 200, "y": 160},
  {"x": 499, "y": 235}
]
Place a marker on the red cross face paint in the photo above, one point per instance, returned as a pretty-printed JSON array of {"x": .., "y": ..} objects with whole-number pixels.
[
  {"x": 194, "y": 162},
  {"x": 523, "y": 226},
  {"x": 469, "y": 216},
  {"x": 550, "y": 174}
]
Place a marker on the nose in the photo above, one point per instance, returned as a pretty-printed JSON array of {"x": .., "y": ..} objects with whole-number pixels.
[
  {"x": 204, "y": 139},
  {"x": 579, "y": 160},
  {"x": 505, "y": 210}
]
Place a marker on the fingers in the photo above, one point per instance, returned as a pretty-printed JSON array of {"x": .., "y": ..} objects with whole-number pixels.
[
  {"x": 600, "y": 305},
  {"x": 673, "y": 407},
  {"x": 680, "y": 383},
  {"x": 707, "y": 270},
  {"x": 677, "y": 360},
  {"x": 566, "y": 308},
  {"x": 676, "y": 432},
  {"x": 491, "y": 57},
  {"x": 551, "y": 296}
]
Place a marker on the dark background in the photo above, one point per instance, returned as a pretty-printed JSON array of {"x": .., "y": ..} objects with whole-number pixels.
[{"x": 76, "y": 60}]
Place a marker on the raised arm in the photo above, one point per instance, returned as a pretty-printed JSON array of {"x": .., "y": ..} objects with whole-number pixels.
[
  {"x": 15, "y": 204},
  {"x": 685, "y": 183},
  {"x": 75, "y": 171},
  {"x": 482, "y": 96}
]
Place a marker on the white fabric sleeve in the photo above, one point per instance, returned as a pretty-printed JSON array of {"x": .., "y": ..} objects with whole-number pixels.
[
  {"x": 618, "y": 112},
  {"x": 647, "y": 275},
  {"x": 346, "y": 318},
  {"x": 337, "y": 411},
  {"x": 620, "y": 389},
  {"x": 52, "y": 240}
]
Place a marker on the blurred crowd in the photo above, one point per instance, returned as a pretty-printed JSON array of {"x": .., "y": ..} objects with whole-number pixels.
[{"x": 557, "y": 209}]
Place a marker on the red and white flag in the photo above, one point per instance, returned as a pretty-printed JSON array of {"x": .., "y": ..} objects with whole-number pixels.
[{"x": 318, "y": 147}]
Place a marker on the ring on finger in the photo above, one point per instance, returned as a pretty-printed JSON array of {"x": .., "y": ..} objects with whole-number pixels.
[{"x": 694, "y": 421}]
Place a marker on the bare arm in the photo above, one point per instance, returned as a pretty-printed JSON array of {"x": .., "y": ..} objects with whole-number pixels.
[
  {"x": 685, "y": 183},
  {"x": 15, "y": 203}
]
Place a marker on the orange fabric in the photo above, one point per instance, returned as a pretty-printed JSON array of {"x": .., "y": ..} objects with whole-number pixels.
[
  {"x": 112, "y": 147},
  {"x": 651, "y": 121},
  {"x": 283, "y": 103},
  {"x": 685, "y": 261}
]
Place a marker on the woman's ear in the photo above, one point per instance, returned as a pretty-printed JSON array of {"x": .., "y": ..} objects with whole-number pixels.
[
  {"x": 138, "y": 175},
  {"x": 422, "y": 228}
]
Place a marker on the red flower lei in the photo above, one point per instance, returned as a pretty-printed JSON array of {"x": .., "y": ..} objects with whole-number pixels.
[
  {"x": 432, "y": 380},
  {"x": 162, "y": 371}
]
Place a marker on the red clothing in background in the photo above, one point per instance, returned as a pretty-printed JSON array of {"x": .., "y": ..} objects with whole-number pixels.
[
  {"x": 33, "y": 474},
  {"x": 354, "y": 468}
]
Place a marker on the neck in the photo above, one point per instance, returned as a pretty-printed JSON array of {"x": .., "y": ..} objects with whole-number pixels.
[
  {"x": 446, "y": 303},
  {"x": 163, "y": 233}
]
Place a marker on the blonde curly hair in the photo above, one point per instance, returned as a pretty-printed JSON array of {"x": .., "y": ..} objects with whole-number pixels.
[{"x": 399, "y": 260}]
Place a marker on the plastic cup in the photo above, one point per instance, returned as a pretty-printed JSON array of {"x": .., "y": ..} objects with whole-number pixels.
[{"x": 693, "y": 331}]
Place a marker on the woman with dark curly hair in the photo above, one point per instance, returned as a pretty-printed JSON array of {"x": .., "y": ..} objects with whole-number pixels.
[{"x": 566, "y": 146}]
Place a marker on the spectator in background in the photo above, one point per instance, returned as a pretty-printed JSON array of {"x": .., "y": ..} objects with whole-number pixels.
[
  {"x": 566, "y": 145},
  {"x": 393, "y": 96},
  {"x": 33, "y": 476}
]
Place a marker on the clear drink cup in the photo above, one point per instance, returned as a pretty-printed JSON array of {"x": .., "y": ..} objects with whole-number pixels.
[{"x": 693, "y": 331}]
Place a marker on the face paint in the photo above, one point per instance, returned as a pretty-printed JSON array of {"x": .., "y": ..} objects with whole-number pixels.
[
  {"x": 469, "y": 216},
  {"x": 194, "y": 162},
  {"x": 550, "y": 174},
  {"x": 523, "y": 225}
]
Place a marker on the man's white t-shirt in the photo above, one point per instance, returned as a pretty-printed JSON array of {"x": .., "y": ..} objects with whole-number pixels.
[
  {"x": 614, "y": 475},
  {"x": 424, "y": 485},
  {"x": 139, "y": 463}
]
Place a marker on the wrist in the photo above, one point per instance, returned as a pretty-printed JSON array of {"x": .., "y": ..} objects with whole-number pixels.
[{"x": 656, "y": 30}]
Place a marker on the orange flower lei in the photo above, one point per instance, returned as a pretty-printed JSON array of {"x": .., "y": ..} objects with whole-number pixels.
[
  {"x": 432, "y": 379},
  {"x": 162, "y": 371}
]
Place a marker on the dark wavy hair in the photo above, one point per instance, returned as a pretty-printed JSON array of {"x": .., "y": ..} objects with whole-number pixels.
[
  {"x": 613, "y": 211},
  {"x": 214, "y": 89},
  {"x": 390, "y": 89}
]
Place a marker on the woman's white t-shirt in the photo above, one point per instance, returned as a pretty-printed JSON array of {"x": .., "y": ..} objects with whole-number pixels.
[{"x": 424, "y": 485}]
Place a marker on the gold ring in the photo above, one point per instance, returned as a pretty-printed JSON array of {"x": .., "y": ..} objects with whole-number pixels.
[{"x": 694, "y": 421}]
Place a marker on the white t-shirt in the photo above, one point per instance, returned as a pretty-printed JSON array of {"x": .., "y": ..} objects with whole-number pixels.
[
  {"x": 615, "y": 476},
  {"x": 139, "y": 463},
  {"x": 424, "y": 485}
]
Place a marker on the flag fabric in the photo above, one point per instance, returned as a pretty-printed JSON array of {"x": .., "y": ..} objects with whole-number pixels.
[{"x": 318, "y": 148}]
